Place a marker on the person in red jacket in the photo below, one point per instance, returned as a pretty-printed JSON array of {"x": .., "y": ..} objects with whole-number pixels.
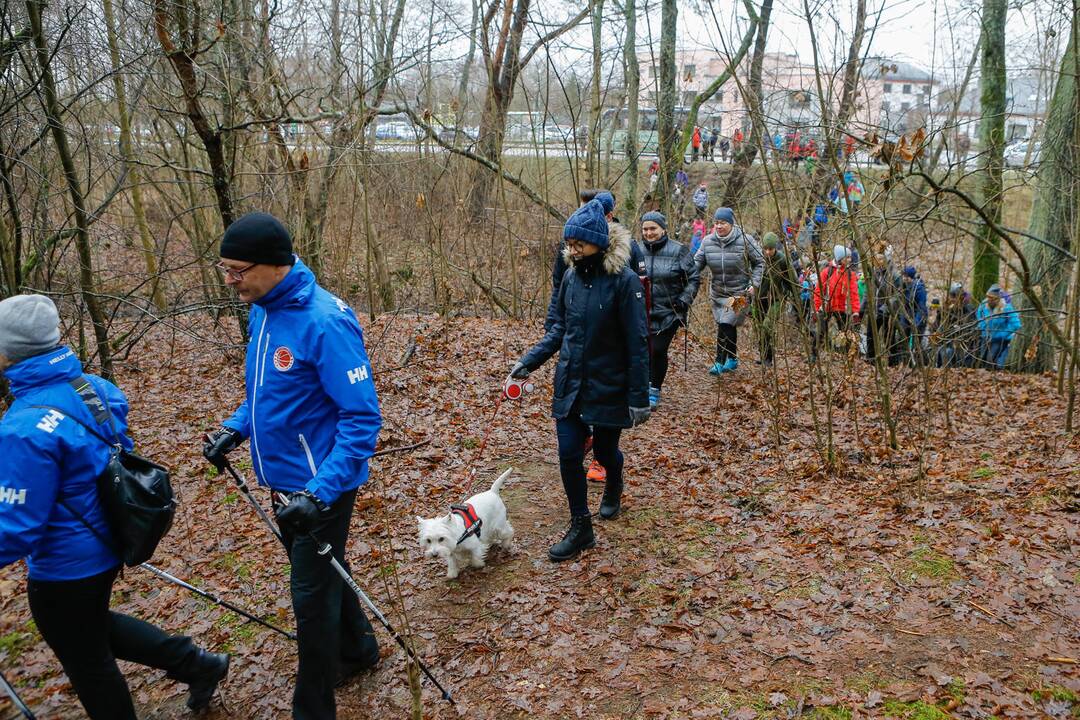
[
  {"x": 695, "y": 144},
  {"x": 836, "y": 297}
]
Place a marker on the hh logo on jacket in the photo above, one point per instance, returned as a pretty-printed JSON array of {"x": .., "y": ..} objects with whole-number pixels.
[
  {"x": 359, "y": 374},
  {"x": 11, "y": 496},
  {"x": 51, "y": 421}
]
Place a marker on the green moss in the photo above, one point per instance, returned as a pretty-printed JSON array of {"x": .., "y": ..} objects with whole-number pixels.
[
  {"x": 15, "y": 642},
  {"x": 956, "y": 690},
  {"x": 917, "y": 710},
  {"x": 929, "y": 563},
  {"x": 1058, "y": 693},
  {"x": 835, "y": 712},
  {"x": 983, "y": 473}
]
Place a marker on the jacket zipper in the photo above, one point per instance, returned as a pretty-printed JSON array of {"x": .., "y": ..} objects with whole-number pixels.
[
  {"x": 310, "y": 459},
  {"x": 260, "y": 359}
]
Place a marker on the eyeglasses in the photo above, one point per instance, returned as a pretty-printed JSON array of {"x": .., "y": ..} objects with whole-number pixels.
[{"x": 235, "y": 274}]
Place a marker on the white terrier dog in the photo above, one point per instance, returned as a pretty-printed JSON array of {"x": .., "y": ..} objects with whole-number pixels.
[{"x": 464, "y": 537}]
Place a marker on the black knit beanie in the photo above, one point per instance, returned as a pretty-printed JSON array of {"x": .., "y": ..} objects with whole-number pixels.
[{"x": 258, "y": 238}]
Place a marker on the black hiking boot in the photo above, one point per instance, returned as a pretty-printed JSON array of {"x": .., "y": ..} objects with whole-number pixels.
[
  {"x": 212, "y": 670},
  {"x": 611, "y": 503},
  {"x": 578, "y": 537}
]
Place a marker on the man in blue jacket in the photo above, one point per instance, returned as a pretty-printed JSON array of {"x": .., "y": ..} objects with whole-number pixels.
[
  {"x": 312, "y": 416},
  {"x": 51, "y": 515},
  {"x": 913, "y": 317}
]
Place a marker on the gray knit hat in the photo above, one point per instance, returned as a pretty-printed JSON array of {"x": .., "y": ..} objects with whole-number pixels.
[{"x": 29, "y": 325}]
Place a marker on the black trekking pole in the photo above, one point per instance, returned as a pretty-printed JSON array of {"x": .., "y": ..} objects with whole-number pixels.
[
  {"x": 324, "y": 549},
  {"x": 22, "y": 707},
  {"x": 216, "y": 600},
  {"x": 246, "y": 491}
]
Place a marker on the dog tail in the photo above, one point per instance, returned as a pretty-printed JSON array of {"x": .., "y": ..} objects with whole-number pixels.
[{"x": 497, "y": 485}]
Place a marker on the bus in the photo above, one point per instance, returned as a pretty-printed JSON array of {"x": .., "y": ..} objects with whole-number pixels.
[{"x": 648, "y": 135}]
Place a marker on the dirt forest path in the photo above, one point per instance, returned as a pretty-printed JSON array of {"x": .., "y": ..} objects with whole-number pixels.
[{"x": 740, "y": 581}]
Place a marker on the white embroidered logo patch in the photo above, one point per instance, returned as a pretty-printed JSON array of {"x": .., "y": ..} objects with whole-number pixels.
[
  {"x": 283, "y": 359},
  {"x": 359, "y": 374},
  {"x": 51, "y": 421}
]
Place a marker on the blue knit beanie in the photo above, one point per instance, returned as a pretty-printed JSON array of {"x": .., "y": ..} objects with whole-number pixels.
[
  {"x": 607, "y": 200},
  {"x": 588, "y": 224},
  {"x": 724, "y": 213},
  {"x": 655, "y": 216},
  {"x": 910, "y": 271}
]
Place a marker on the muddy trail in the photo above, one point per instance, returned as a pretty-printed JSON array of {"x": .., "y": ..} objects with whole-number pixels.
[{"x": 741, "y": 580}]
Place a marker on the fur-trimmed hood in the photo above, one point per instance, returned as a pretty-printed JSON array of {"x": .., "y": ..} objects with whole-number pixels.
[{"x": 617, "y": 253}]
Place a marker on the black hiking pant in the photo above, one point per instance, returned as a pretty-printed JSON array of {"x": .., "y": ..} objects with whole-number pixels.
[
  {"x": 727, "y": 342},
  {"x": 571, "y": 433},
  {"x": 73, "y": 617},
  {"x": 330, "y": 626},
  {"x": 658, "y": 363}
]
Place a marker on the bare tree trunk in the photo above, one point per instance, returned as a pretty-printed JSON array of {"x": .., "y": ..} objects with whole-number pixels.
[
  {"x": 992, "y": 137},
  {"x": 82, "y": 235},
  {"x": 1055, "y": 215},
  {"x": 670, "y": 156},
  {"x": 128, "y": 155},
  {"x": 744, "y": 159},
  {"x": 592, "y": 160},
  {"x": 466, "y": 70},
  {"x": 633, "y": 85}
]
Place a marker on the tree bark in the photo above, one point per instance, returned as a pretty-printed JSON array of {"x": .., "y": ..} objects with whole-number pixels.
[
  {"x": 987, "y": 262},
  {"x": 1055, "y": 214},
  {"x": 149, "y": 251},
  {"x": 633, "y": 86},
  {"x": 744, "y": 159},
  {"x": 592, "y": 159},
  {"x": 670, "y": 156},
  {"x": 75, "y": 192}
]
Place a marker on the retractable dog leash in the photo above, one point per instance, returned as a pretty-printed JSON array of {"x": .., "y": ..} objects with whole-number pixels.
[{"x": 512, "y": 389}]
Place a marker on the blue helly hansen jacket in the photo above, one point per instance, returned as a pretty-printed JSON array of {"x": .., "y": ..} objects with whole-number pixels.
[
  {"x": 48, "y": 456},
  {"x": 311, "y": 411}
]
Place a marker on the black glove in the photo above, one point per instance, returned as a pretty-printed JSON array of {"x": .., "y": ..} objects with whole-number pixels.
[
  {"x": 519, "y": 371},
  {"x": 639, "y": 415},
  {"x": 219, "y": 444},
  {"x": 680, "y": 306},
  {"x": 302, "y": 512}
]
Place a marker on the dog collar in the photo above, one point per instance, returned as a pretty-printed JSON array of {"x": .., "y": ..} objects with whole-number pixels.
[{"x": 472, "y": 521}]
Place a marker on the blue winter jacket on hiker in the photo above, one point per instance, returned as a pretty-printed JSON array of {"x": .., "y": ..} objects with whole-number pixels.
[
  {"x": 600, "y": 332},
  {"x": 999, "y": 323},
  {"x": 48, "y": 457},
  {"x": 915, "y": 312},
  {"x": 310, "y": 411}
]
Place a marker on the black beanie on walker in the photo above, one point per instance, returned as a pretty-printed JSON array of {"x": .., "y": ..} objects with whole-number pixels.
[{"x": 258, "y": 238}]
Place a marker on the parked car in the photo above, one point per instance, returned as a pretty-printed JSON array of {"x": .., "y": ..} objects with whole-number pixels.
[{"x": 1016, "y": 153}]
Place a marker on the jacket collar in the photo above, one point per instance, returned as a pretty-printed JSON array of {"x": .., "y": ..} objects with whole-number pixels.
[
  {"x": 654, "y": 247},
  {"x": 294, "y": 289},
  {"x": 616, "y": 255},
  {"x": 51, "y": 368},
  {"x": 735, "y": 234}
]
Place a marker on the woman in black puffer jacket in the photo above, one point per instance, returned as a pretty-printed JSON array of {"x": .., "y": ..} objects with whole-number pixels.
[
  {"x": 602, "y": 378},
  {"x": 673, "y": 279}
]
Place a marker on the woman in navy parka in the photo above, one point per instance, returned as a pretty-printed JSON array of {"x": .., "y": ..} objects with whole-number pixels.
[{"x": 602, "y": 378}]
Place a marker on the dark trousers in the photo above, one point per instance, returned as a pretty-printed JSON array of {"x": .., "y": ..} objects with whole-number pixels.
[
  {"x": 571, "y": 433},
  {"x": 658, "y": 364},
  {"x": 73, "y": 617},
  {"x": 884, "y": 326},
  {"x": 766, "y": 328},
  {"x": 330, "y": 626},
  {"x": 727, "y": 337}
]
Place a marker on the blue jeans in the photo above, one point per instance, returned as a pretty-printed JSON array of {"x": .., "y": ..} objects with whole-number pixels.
[
  {"x": 997, "y": 351},
  {"x": 572, "y": 432}
]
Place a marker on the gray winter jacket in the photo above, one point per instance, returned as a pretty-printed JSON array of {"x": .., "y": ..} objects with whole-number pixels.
[{"x": 736, "y": 263}]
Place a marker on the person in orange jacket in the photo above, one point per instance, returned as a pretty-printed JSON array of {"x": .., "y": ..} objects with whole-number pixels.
[
  {"x": 695, "y": 144},
  {"x": 836, "y": 297}
]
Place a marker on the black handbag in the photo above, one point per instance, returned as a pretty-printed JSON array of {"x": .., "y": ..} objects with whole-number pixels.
[{"x": 135, "y": 492}]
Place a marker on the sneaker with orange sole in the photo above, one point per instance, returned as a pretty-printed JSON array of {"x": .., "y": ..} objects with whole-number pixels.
[{"x": 596, "y": 473}]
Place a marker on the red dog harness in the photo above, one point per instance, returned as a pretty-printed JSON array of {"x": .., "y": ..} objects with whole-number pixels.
[{"x": 472, "y": 521}]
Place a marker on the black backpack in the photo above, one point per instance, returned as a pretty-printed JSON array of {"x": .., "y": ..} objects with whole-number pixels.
[{"x": 134, "y": 492}]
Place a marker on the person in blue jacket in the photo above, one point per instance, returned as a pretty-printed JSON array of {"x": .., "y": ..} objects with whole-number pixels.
[
  {"x": 998, "y": 323},
  {"x": 51, "y": 515},
  {"x": 602, "y": 377},
  {"x": 312, "y": 417},
  {"x": 913, "y": 317}
]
